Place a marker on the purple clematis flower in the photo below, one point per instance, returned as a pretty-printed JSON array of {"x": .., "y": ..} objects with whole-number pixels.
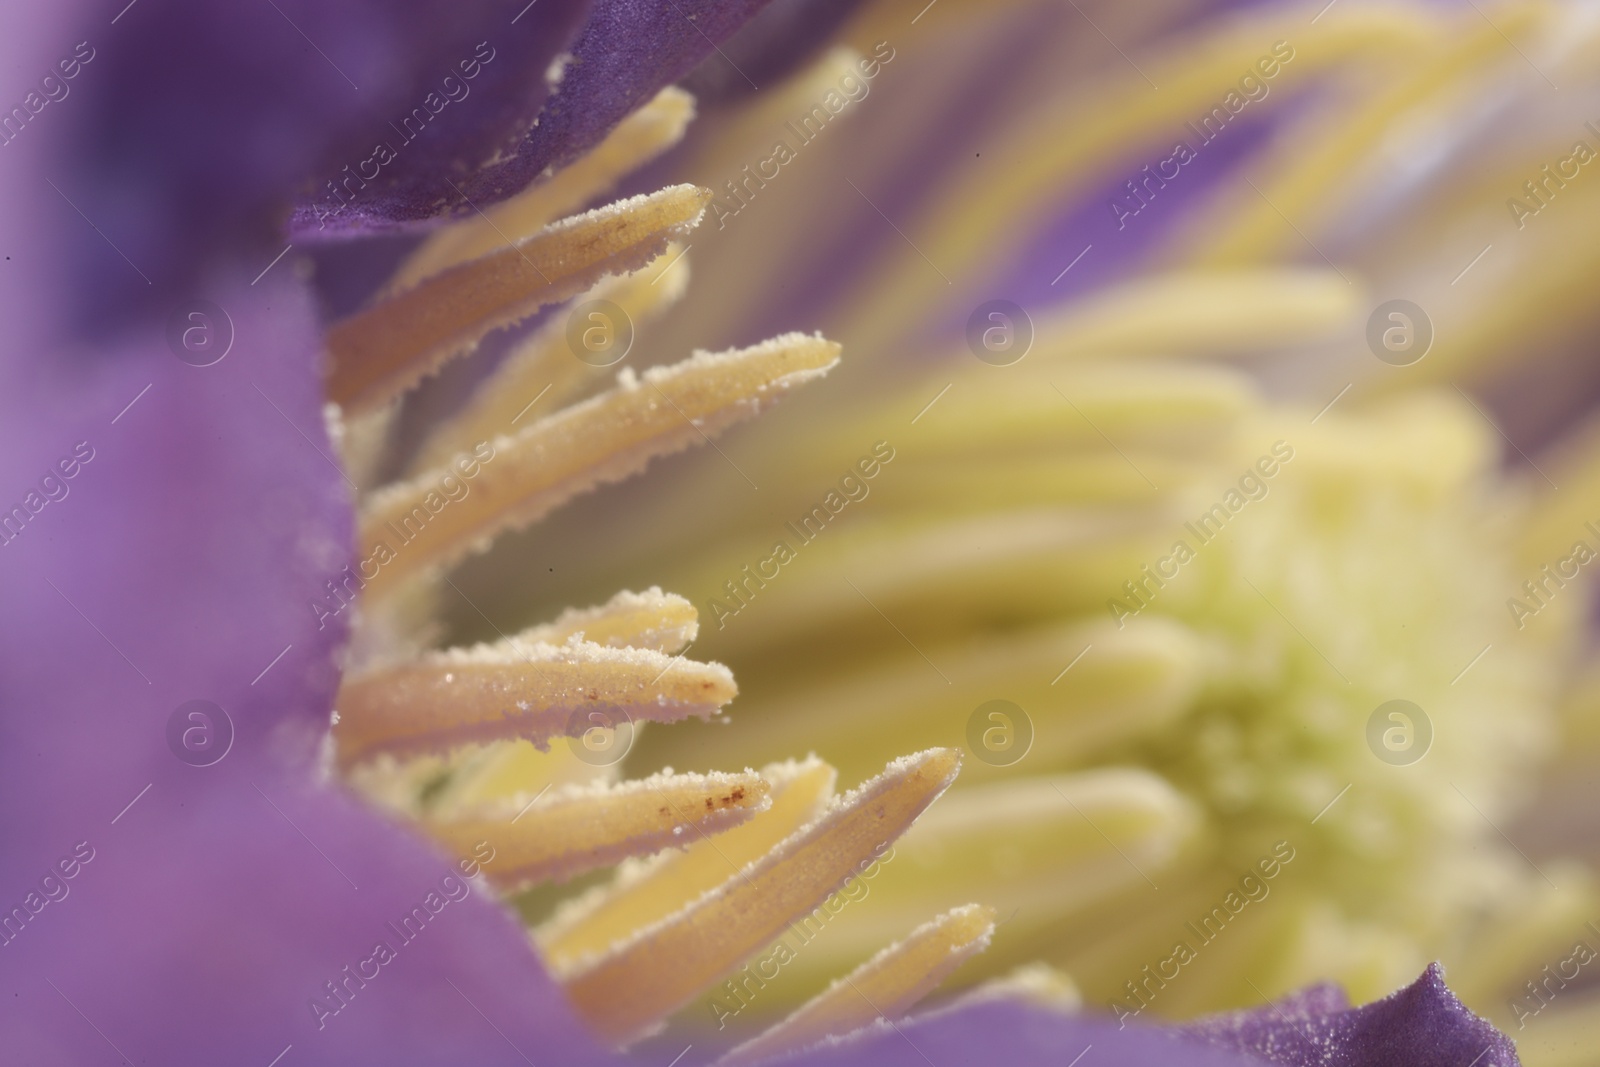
[{"x": 181, "y": 874}]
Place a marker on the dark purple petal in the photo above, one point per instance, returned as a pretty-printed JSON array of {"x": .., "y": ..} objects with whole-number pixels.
[
  {"x": 474, "y": 103},
  {"x": 194, "y": 123},
  {"x": 773, "y": 45},
  {"x": 1422, "y": 1025},
  {"x": 628, "y": 51}
]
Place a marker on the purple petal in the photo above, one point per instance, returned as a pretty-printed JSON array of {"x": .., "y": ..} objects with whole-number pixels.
[
  {"x": 475, "y": 102},
  {"x": 1422, "y": 1025},
  {"x": 195, "y": 122},
  {"x": 178, "y": 563},
  {"x": 1014, "y": 1034},
  {"x": 623, "y": 56},
  {"x": 628, "y": 50},
  {"x": 773, "y": 45}
]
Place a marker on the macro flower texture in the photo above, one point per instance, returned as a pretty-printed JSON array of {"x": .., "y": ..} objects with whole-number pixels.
[{"x": 689, "y": 532}]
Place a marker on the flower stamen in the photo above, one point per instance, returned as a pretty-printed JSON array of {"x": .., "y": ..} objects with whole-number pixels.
[
  {"x": 884, "y": 987},
  {"x": 575, "y": 829},
  {"x": 646, "y": 893},
  {"x": 494, "y": 691},
  {"x": 626, "y": 992},
  {"x": 377, "y": 354},
  {"x": 604, "y": 439},
  {"x": 639, "y": 138},
  {"x": 542, "y": 367}
]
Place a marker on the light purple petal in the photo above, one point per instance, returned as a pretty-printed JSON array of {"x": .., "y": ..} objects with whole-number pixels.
[
  {"x": 180, "y": 565},
  {"x": 1013, "y": 1035}
]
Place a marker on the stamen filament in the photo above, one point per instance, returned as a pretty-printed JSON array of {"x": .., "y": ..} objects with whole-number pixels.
[
  {"x": 490, "y": 692},
  {"x": 576, "y": 829},
  {"x": 663, "y": 622},
  {"x": 604, "y": 439},
  {"x": 1131, "y": 682},
  {"x": 546, "y": 369},
  {"x": 1042, "y": 848},
  {"x": 377, "y": 354},
  {"x": 649, "y": 892},
  {"x": 628, "y": 991},
  {"x": 884, "y": 987}
]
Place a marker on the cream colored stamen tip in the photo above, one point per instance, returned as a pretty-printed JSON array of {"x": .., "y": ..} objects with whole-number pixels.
[
  {"x": 941, "y": 764},
  {"x": 1036, "y": 984},
  {"x": 626, "y": 992},
  {"x": 382, "y": 351},
  {"x": 885, "y": 987},
  {"x": 969, "y": 922},
  {"x": 579, "y": 828},
  {"x": 787, "y": 359}
]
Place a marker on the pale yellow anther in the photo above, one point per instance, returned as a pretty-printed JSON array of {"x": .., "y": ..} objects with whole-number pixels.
[
  {"x": 1202, "y": 313},
  {"x": 483, "y": 775},
  {"x": 663, "y": 622},
  {"x": 490, "y": 692},
  {"x": 1124, "y": 683},
  {"x": 987, "y": 207},
  {"x": 1035, "y": 983},
  {"x": 647, "y": 892},
  {"x": 573, "y": 829},
  {"x": 377, "y": 354},
  {"x": 1310, "y": 176},
  {"x": 544, "y": 371},
  {"x": 1039, "y": 848},
  {"x": 629, "y": 990},
  {"x": 929, "y": 576},
  {"x": 604, "y": 439},
  {"x": 885, "y": 987},
  {"x": 1104, "y": 407}
]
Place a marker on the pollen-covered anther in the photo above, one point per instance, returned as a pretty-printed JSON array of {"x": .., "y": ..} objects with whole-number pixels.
[
  {"x": 663, "y": 622},
  {"x": 604, "y": 439},
  {"x": 629, "y": 990},
  {"x": 574, "y": 829},
  {"x": 490, "y": 692},
  {"x": 647, "y": 891},
  {"x": 377, "y": 354},
  {"x": 545, "y": 370},
  {"x": 885, "y": 987}
]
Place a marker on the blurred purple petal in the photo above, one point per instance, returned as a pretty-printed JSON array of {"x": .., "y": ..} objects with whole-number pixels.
[
  {"x": 1422, "y": 1025},
  {"x": 1012, "y": 1033},
  {"x": 773, "y": 45},
  {"x": 178, "y": 563}
]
